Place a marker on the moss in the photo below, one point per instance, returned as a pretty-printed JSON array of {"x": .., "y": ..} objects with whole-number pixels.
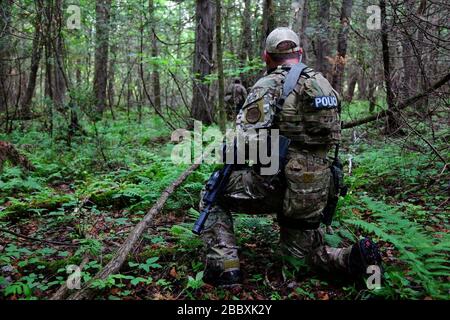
[
  {"x": 157, "y": 252},
  {"x": 24, "y": 209},
  {"x": 111, "y": 198},
  {"x": 54, "y": 265},
  {"x": 103, "y": 199}
]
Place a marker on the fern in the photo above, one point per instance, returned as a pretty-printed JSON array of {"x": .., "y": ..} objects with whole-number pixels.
[{"x": 426, "y": 255}]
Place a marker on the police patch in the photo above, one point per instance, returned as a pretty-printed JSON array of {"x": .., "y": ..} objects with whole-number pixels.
[{"x": 326, "y": 102}]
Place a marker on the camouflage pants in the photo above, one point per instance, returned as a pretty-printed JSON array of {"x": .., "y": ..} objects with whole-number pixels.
[
  {"x": 232, "y": 110},
  {"x": 301, "y": 198}
]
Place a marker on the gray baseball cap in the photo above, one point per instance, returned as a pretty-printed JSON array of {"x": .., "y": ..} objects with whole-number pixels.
[{"x": 279, "y": 35}]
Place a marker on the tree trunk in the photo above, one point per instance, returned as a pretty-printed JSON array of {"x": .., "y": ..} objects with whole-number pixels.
[
  {"x": 421, "y": 55},
  {"x": 351, "y": 87},
  {"x": 204, "y": 34},
  {"x": 102, "y": 10},
  {"x": 155, "y": 52},
  {"x": 322, "y": 47},
  {"x": 371, "y": 91},
  {"x": 60, "y": 85},
  {"x": 78, "y": 72},
  {"x": 340, "y": 60},
  {"x": 56, "y": 81},
  {"x": 144, "y": 86},
  {"x": 392, "y": 123},
  {"x": 112, "y": 78},
  {"x": 35, "y": 59},
  {"x": 219, "y": 59},
  {"x": 112, "y": 69},
  {"x": 268, "y": 21},
  {"x": 363, "y": 84},
  {"x": 246, "y": 41},
  {"x": 299, "y": 24},
  {"x": 48, "y": 70},
  {"x": 304, "y": 41},
  {"x": 410, "y": 79},
  {"x": 246, "y": 46},
  {"x": 228, "y": 34},
  {"x": 5, "y": 52}
]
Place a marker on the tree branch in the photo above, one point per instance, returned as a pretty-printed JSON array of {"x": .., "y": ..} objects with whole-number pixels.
[
  {"x": 424, "y": 139},
  {"x": 122, "y": 253},
  {"x": 402, "y": 105},
  {"x": 56, "y": 243}
]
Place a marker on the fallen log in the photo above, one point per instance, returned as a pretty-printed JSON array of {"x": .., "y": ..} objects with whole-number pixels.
[
  {"x": 9, "y": 153},
  {"x": 402, "y": 105},
  {"x": 120, "y": 257},
  {"x": 62, "y": 292}
]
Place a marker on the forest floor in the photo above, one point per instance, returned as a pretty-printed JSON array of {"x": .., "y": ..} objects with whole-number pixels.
[{"x": 83, "y": 199}]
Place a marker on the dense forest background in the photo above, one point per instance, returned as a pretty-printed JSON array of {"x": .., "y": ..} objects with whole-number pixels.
[{"x": 90, "y": 92}]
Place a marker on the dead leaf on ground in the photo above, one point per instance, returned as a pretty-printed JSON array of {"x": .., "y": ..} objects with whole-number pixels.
[{"x": 173, "y": 273}]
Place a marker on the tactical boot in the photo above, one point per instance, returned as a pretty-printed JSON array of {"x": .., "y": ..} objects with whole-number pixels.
[
  {"x": 364, "y": 253},
  {"x": 222, "y": 278}
]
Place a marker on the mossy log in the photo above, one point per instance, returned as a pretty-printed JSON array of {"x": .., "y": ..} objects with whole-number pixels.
[{"x": 9, "y": 153}]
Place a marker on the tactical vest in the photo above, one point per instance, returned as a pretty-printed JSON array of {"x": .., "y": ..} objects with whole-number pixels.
[{"x": 310, "y": 114}]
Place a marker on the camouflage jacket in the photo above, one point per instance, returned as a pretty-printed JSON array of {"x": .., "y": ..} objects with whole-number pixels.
[
  {"x": 235, "y": 94},
  {"x": 309, "y": 116}
]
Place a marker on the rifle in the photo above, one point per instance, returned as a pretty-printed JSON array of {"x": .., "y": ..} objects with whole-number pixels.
[
  {"x": 219, "y": 180},
  {"x": 214, "y": 187},
  {"x": 340, "y": 189}
]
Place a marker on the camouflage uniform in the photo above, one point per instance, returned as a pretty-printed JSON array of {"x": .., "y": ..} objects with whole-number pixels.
[
  {"x": 301, "y": 195},
  {"x": 235, "y": 96}
]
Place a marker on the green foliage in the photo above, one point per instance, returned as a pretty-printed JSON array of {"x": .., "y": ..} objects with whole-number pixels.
[
  {"x": 166, "y": 285},
  {"x": 253, "y": 222},
  {"x": 293, "y": 266},
  {"x": 303, "y": 293},
  {"x": 17, "y": 289},
  {"x": 149, "y": 263},
  {"x": 114, "y": 280},
  {"x": 187, "y": 240},
  {"x": 425, "y": 254},
  {"x": 91, "y": 246},
  {"x": 387, "y": 199},
  {"x": 356, "y": 110},
  {"x": 25, "y": 287},
  {"x": 195, "y": 283}
]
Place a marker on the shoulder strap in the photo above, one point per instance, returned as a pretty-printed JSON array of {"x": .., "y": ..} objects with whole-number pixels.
[{"x": 290, "y": 82}]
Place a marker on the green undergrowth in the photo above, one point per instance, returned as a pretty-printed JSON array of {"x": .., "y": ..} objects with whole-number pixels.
[
  {"x": 400, "y": 198},
  {"x": 125, "y": 166},
  {"x": 91, "y": 193}
]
